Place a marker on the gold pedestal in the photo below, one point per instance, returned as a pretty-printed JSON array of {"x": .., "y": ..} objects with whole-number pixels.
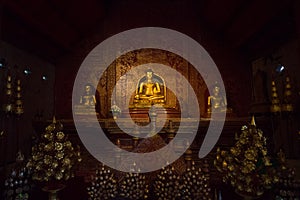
[
  {"x": 53, "y": 189},
  {"x": 84, "y": 110}
]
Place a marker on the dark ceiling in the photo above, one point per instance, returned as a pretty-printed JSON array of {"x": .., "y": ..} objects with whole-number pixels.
[{"x": 50, "y": 29}]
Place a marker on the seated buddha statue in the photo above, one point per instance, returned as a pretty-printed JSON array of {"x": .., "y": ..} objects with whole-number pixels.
[
  {"x": 87, "y": 102},
  {"x": 217, "y": 102},
  {"x": 88, "y": 98},
  {"x": 150, "y": 90}
]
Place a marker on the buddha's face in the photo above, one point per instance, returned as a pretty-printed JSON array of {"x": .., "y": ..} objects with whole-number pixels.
[
  {"x": 87, "y": 89},
  {"x": 216, "y": 90},
  {"x": 149, "y": 75}
]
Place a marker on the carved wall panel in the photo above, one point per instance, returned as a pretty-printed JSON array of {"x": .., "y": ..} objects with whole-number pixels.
[{"x": 117, "y": 72}]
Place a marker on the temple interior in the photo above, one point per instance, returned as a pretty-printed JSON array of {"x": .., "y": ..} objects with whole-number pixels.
[{"x": 128, "y": 99}]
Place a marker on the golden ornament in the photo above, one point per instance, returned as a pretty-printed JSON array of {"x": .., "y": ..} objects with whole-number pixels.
[
  {"x": 68, "y": 144},
  {"x": 58, "y": 175},
  {"x": 54, "y": 164},
  {"x": 59, "y": 155},
  {"x": 58, "y": 146},
  {"x": 48, "y": 147},
  {"x": 48, "y": 136},
  {"x": 66, "y": 161},
  {"x": 60, "y": 135}
]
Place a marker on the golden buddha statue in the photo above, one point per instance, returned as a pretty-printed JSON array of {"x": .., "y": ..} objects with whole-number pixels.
[
  {"x": 88, "y": 98},
  {"x": 150, "y": 89},
  {"x": 217, "y": 102},
  {"x": 87, "y": 102}
]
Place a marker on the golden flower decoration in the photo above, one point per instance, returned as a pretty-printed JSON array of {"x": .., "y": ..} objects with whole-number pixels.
[
  {"x": 233, "y": 151},
  {"x": 243, "y": 141},
  {"x": 223, "y": 153},
  {"x": 53, "y": 157},
  {"x": 258, "y": 144},
  {"x": 68, "y": 144},
  {"x": 248, "y": 167},
  {"x": 48, "y": 147},
  {"x": 54, "y": 164},
  {"x": 38, "y": 167},
  {"x": 264, "y": 152},
  {"x": 35, "y": 157},
  {"x": 50, "y": 128},
  {"x": 224, "y": 164},
  {"x": 48, "y": 136},
  {"x": 218, "y": 157},
  {"x": 58, "y": 146},
  {"x": 49, "y": 172},
  {"x": 58, "y": 175},
  {"x": 60, "y": 135},
  {"x": 231, "y": 167},
  {"x": 250, "y": 154},
  {"x": 47, "y": 159},
  {"x": 59, "y": 155},
  {"x": 67, "y": 161},
  {"x": 267, "y": 180}
]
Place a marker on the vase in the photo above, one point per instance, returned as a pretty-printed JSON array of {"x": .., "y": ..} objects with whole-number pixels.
[
  {"x": 52, "y": 189},
  {"x": 115, "y": 115}
]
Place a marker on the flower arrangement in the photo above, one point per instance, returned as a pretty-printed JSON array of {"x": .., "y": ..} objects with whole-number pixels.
[
  {"x": 53, "y": 158},
  {"x": 134, "y": 185},
  {"x": 167, "y": 184},
  {"x": 115, "y": 109},
  {"x": 195, "y": 183},
  {"x": 247, "y": 166},
  {"x": 103, "y": 185},
  {"x": 18, "y": 185}
]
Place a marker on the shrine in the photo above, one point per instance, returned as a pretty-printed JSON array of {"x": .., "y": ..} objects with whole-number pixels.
[{"x": 149, "y": 100}]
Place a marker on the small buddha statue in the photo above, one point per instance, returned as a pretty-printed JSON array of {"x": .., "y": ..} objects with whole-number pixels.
[
  {"x": 149, "y": 90},
  {"x": 216, "y": 102},
  {"x": 88, "y": 98},
  {"x": 87, "y": 102}
]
